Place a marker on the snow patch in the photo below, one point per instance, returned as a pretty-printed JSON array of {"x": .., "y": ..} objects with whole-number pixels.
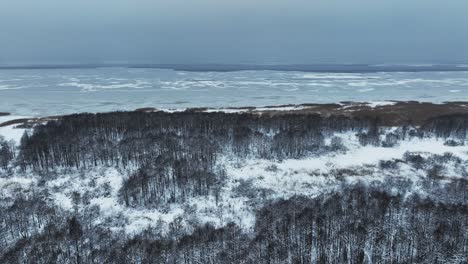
[
  {"x": 11, "y": 132},
  {"x": 374, "y": 104}
]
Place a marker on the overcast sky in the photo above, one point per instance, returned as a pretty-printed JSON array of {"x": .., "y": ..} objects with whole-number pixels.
[{"x": 233, "y": 31}]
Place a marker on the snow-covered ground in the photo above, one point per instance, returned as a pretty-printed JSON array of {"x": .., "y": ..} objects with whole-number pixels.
[
  {"x": 11, "y": 132},
  {"x": 249, "y": 183},
  {"x": 371, "y": 104},
  {"x": 257, "y": 109}
]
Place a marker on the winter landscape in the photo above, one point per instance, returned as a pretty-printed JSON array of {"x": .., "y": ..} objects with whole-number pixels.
[
  {"x": 233, "y": 132},
  {"x": 369, "y": 182}
]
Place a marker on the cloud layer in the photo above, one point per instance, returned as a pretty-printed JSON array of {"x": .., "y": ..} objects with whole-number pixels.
[{"x": 261, "y": 31}]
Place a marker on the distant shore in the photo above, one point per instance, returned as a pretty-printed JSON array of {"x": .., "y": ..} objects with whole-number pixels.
[
  {"x": 390, "y": 113},
  {"x": 218, "y": 67}
]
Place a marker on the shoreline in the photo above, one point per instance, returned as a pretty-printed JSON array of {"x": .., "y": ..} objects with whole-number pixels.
[
  {"x": 392, "y": 112},
  {"x": 222, "y": 67}
]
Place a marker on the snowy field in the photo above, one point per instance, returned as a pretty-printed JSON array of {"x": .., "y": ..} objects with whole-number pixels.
[
  {"x": 10, "y": 132},
  {"x": 249, "y": 183}
]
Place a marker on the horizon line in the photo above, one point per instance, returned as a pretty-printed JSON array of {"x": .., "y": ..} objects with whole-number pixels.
[{"x": 228, "y": 67}]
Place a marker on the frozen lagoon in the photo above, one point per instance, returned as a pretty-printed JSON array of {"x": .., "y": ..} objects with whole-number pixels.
[{"x": 44, "y": 92}]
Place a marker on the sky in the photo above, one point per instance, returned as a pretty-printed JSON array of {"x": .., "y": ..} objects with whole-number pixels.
[{"x": 233, "y": 31}]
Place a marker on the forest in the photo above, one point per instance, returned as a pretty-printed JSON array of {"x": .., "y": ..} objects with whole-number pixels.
[
  {"x": 356, "y": 225},
  {"x": 173, "y": 158}
]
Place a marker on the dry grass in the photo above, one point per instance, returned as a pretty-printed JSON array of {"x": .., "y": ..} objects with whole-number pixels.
[{"x": 401, "y": 113}]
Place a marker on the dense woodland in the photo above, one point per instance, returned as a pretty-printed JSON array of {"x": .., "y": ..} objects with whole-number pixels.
[
  {"x": 357, "y": 225},
  {"x": 136, "y": 138},
  {"x": 176, "y": 153},
  {"x": 175, "y": 156}
]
